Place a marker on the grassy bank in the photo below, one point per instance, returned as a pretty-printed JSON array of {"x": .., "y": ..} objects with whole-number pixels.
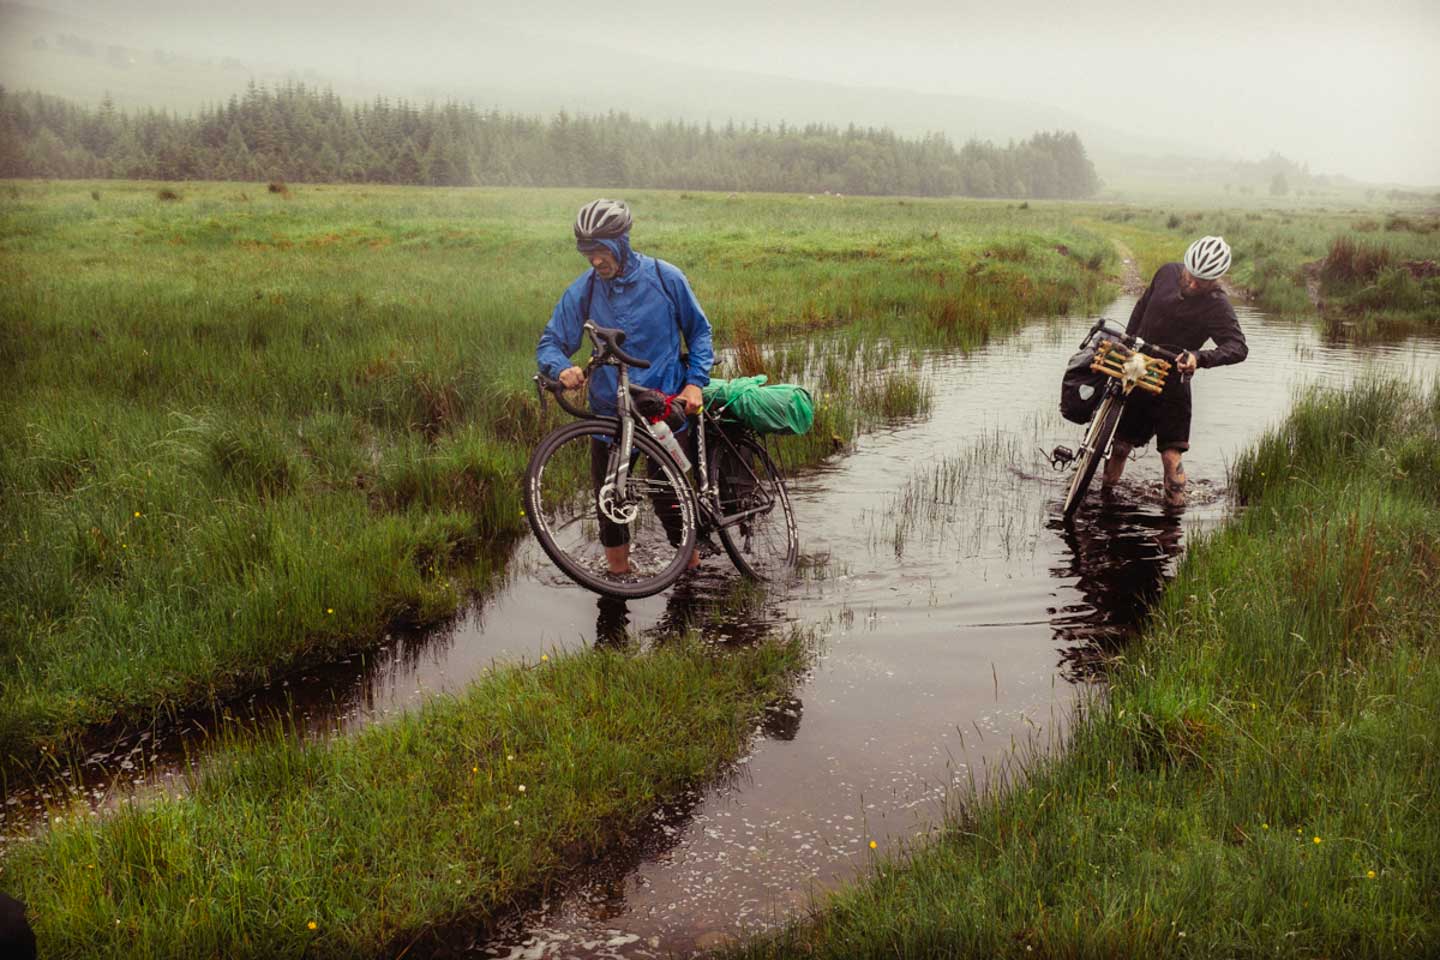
[
  {"x": 1260, "y": 780},
  {"x": 244, "y": 431},
  {"x": 1369, "y": 273},
  {"x": 358, "y": 846}
]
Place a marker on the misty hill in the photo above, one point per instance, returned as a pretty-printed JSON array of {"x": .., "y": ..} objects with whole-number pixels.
[
  {"x": 86, "y": 57},
  {"x": 154, "y": 54},
  {"x": 300, "y": 134}
]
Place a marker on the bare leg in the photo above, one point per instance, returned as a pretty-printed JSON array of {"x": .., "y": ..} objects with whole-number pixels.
[
  {"x": 617, "y": 559},
  {"x": 1115, "y": 466},
  {"x": 1174, "y": 477}
]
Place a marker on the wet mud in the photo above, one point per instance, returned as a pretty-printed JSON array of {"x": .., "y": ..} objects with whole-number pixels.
[{"x": 960, "y": 619}]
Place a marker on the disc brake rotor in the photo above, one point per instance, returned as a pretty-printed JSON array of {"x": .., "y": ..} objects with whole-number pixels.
[{"x": 616, "y": 512}]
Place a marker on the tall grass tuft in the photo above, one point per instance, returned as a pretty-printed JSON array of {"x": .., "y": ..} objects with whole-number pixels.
[{"x": 1352, "y": 261}]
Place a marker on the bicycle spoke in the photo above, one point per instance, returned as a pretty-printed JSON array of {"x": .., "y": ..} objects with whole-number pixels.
[
  {"x": 757, "y": 523},
  {"x": 654, "y": 521}
]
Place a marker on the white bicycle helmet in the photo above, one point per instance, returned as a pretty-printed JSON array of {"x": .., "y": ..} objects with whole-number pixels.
[
  {"x": 1208, "y": 258},
  {"x": 602, "y": 220}
]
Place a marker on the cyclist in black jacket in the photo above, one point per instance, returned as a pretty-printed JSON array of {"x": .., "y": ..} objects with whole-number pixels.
[{"x": 1182, "y": 309}]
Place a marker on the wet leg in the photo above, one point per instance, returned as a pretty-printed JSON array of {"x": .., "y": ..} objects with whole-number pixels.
[
  {"x": 1115, "y": 466},
  {"x": 1174, "y": 477},
  {"x": 617, "y": 559},
  {"x": 668, "y": 510}
]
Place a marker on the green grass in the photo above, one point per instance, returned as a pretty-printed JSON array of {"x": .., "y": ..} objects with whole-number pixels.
[
  {"x": 245, "y": 431},
  {"x": 1358, "y": 264},
  {"x": 458, "y": 811},
  {"x": 1260, "y": 779}
]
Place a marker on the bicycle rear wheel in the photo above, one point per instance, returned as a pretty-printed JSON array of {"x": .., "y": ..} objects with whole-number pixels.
[
  {"x": 757, "y": 523},
  {"x": 1097, "y": 439},
  {"x": 563, "y": 507}
]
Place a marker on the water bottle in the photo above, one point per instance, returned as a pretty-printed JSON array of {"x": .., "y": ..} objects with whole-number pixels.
[{"x": 661, "y": 431}]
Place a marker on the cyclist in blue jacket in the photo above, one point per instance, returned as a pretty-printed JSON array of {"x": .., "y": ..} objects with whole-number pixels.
[{"x": 652, "y": 302}]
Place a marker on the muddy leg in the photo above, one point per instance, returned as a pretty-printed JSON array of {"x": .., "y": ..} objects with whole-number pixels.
[
  {"x": 1174, "y": 477},
  {"x": 1115, "y": 466}
]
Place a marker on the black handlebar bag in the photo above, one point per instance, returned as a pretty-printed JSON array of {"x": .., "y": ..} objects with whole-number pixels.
[{"x": 1081, "y": 388}]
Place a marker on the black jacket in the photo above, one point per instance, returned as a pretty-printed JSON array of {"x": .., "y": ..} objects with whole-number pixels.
[{"x": 1184, "y": 323}]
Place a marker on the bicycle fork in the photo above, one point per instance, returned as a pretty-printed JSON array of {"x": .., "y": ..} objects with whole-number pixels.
[{"x": 613, "y": 498}]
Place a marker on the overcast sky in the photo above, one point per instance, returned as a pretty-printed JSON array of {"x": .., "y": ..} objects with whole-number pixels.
[{"x": 1349, "y": 87}]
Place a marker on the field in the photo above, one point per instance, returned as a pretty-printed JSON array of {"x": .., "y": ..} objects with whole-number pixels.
[
  {"x": 1369, "y": 273},
  {"x": 248, "y": 431}
]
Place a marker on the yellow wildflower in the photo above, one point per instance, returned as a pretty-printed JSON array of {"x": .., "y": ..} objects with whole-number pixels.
[
  {"x": 1370, "y": 874},
  {"x": 310, "y": 925},
  {"x": 873, "y": 844},
  {"x": 1317, "y": 839}
]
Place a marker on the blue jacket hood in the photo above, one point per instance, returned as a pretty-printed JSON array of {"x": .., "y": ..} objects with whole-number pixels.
[{"x": 620, "y": 249}]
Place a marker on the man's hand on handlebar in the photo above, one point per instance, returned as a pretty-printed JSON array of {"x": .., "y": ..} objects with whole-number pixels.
[
  {"x": 1187, "y": 362},
  {"x": 691, "y": 396},
  {"x": 572, "y": 378}
]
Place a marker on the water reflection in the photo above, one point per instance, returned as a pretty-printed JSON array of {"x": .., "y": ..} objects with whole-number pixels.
[{"x": 1119, "y": 553}]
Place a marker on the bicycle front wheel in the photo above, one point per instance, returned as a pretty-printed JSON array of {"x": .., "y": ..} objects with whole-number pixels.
[
  {"x": 576, "y": 515},
  {"x": 757, "y": 523},
  {"x": 1102, "y": 428}
]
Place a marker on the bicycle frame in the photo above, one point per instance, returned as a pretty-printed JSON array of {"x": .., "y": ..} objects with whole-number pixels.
[
  {"x": 617, "y": 479},
  {"x": 1127, "y": 367}
]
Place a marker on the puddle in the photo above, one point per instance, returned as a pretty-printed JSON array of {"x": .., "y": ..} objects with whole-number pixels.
[{"x": 960, "y": 620}]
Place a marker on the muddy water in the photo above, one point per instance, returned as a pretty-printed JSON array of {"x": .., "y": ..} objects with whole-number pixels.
[{"x": 960, "y": 619}]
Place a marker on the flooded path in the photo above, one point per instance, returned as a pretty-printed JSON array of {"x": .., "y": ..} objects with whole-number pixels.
[
  {"x": 960, "y": 619},
  {"x": 950, "y": 638}
]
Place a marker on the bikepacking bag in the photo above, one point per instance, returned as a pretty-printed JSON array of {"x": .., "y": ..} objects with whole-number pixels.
[
  {"x": 1081, "y": 388},
  {"x": 764, "y": 408}
]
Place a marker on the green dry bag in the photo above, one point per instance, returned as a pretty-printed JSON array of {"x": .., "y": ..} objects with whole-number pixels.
[{"x": 776, "y": 408}]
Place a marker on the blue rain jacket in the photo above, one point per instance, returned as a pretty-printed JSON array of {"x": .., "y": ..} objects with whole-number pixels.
[{"x": 652, "y": 317}]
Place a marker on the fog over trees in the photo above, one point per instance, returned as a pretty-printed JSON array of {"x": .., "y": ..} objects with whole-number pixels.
[
  {"x": 1161, "y": 92},
  {"x": 300, "y": 134}
]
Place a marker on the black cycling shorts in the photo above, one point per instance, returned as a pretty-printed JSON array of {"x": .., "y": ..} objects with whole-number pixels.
[{"x": 1166, "y": 418}]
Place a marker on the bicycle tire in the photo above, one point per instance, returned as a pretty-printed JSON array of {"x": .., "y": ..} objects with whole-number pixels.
[
  {"x": 764, "y": 545},
  {"x": 562, "y": 508},
  {"x": 1102, "y": 428}
]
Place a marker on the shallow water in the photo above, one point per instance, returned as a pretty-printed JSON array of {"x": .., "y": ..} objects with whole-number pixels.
[{"x": 960, "y": 618}]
